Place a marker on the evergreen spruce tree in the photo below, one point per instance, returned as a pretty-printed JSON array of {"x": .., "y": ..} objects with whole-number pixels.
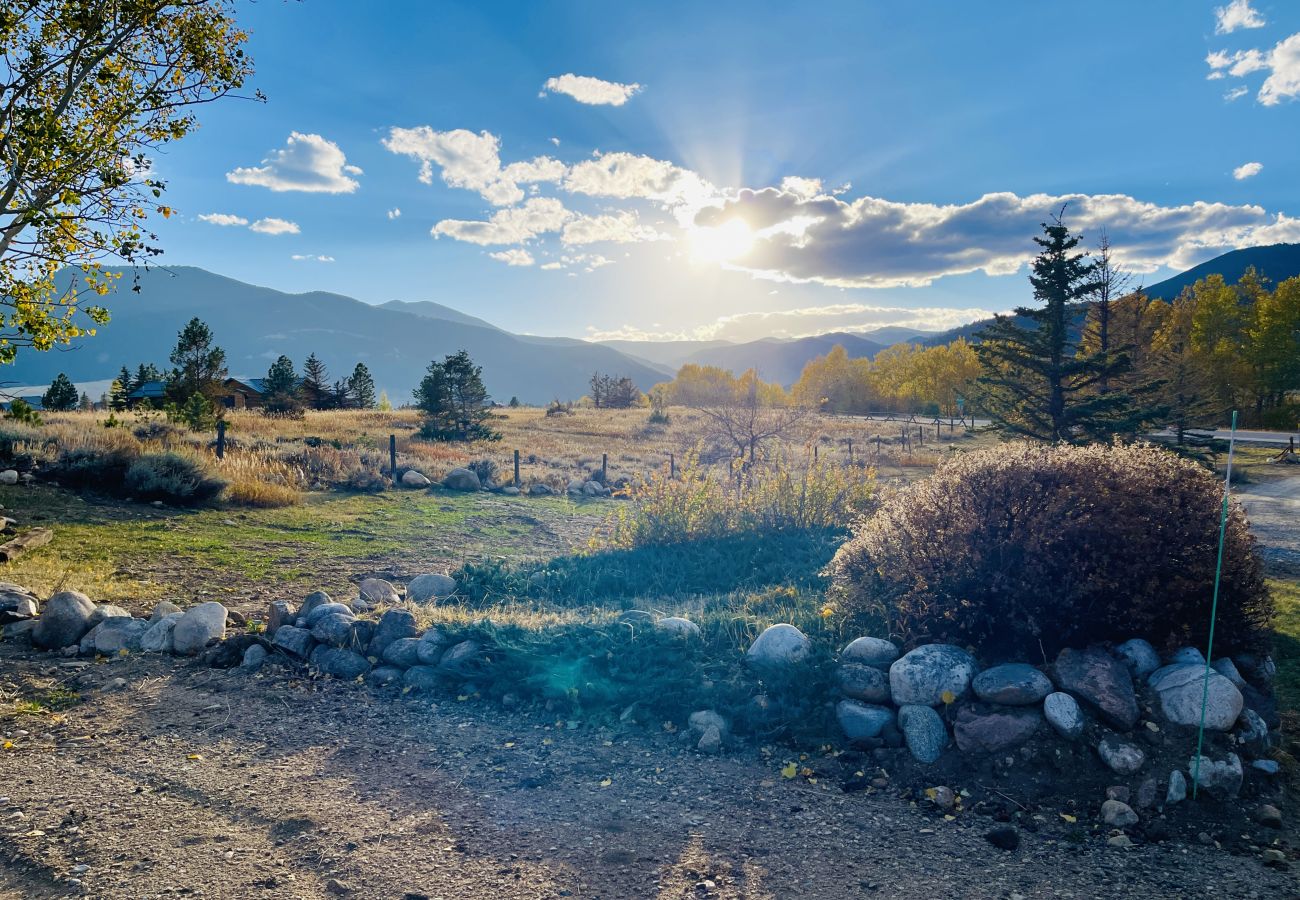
[
  {"x": 85, "y": 402},
  {"x": 315, "y": 383},
  {"x": 362, "y": 387},
  {"x": 124, "y": 379},
  {"x": 62, "y": 395},
  {"x": 145, "y": 373},
  {"x": 1036, "y": 383},
  {"x": 282, "y": 396},
  {"x": 200, "y": 367},
  {"x": 116, "y": 396},
  {"x": 454, "y": 401}
]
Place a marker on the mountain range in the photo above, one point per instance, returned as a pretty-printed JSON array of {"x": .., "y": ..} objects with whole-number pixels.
[{"x": 398, "y": 339}]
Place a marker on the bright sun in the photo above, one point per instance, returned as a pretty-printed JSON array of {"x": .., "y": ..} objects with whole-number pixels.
[{"x": 722, "y": 243}]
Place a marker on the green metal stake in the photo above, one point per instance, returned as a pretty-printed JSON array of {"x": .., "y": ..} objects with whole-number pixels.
[{"x": 1214, "y": 607}]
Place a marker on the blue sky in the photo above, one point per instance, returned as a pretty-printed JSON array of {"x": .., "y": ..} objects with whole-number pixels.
[{"x": 735, "y": 169}]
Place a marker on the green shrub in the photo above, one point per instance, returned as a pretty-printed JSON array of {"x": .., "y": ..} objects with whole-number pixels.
[
  {"x": 1022, "y": 549},
  {"x": 21, "y": 411},
  {"x": 97, "y": 468},
  {"x": 485, "y": 469},
  {"x": 173, "y": 478}
]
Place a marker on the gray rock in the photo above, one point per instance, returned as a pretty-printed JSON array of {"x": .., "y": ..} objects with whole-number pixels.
[
  {"x": 337, "y": 630},
  {"x": 393, "y": 624},
  {"x": 1177, "y": 790},
  {"x": 18, "y": 630},
  {"x": 9, "y": 476},
  {"x": 1063, "y": 714},
  {"x": 111, "y": 636},
  {"x": 990, "y": 729},
  {"x": 379, "y": 592},
  {"x": 575, "y": 486},
  {"x": 385, "y": 675},
  {"x": 1267, "y": 766},
  {"x": 778, "y": 648},
  {"x": 162, "y": 609},
  {"x": 158, "y": 637},
  {"x": 1181, "y": 689},
  {"x": 433, "y": 643},
  {"x": 403, "y": 652},
  {"x": 540, "y": 490},
  {"x": 433, "y": 586},
  {"x": 327, "y": 609},
  {"x": 1252, "y": 731},
  {"x": 922, "y": 677},
  {"x": 294, "y": 640},
  {"x": 341, "y": 663},
  {"x": 422, "y": 678},
  {"x": 313, "y": 600},
  {"x": 711, "y": 741},
  {"x": 1121, "y": 756},
  {"x": 1117, "y": 814},
  {"x": 17, "y": 606},
  {"x": 1101, "y": 681},
  {"x": 1140, "y": 657},
  {"x": 862, "y": 722},
  {"x": 1220, "y": 779},
  {"x": 1228, "y": 670},
  {"x": 702, "y": 720},
  {"x": 254, "y": 658},
  {"x": 414, "y": 479},
  {"x": 923, "y": 731},
  {"x": 871, "y": 651},
  {"x": 678, "y": 627},
  {"x": 277, "y": 614},
  {"x": 107, "y": 611},
  {"x": 64, "y": 621},
  {"x": 1012, "y": 684},
  {"x": 197, "y": 626},
  {"x": 1268, "y": 815},
  {"x": 594, "y": 489},
  {"x": 461, "y": 659},
  {"x": 859, "y": 682},
  {"x": 462, "y": 480},
  {"x": 511, "y": 491},
  {"x": 1259, "y": 669},
  {"x": 1146, "y": 797},
  {"x": 1187, "y": 656},
  {"x": 638, "y": 618}
]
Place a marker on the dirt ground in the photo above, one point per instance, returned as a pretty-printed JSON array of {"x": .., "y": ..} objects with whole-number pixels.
[{"x": 183, "y": 781}]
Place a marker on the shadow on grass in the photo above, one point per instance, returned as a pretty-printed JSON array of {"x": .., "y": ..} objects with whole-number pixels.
[{"x": 746, "y": 561}]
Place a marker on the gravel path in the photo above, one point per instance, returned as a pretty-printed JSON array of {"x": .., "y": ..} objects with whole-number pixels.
[
  {"x": 1274, "y": 510},
  {"x": 194, "y": 782}
]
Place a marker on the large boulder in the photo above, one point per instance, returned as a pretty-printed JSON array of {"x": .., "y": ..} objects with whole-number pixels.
[
  {"x": 107, "y": 611},
  {"x": 294, "y": 641},
  {"x": 1187, "y": 656},
  {"x": 461, "y": 659},
  {"x": 1181, "y": 689},
  {"x": 924, "y": 676},
  {"x": 778, "y": 648},
  {"x": 64, "y": 621},
  {"x": 988, "y": 729},
  {"x": 432, "y": 644},
  {"x": 111, "y": 636},
  {"x": 422, "y": 678},
  {"x": 337, "y": 630},
  {"x": 197, "y": 626},
  {"x": 1063, "y": 713},
  {"x": 340, "y": 662},
  {"x": 678, "y": 627},
  {"x": 311, "y": 601},
  {"x": 403, "y": 652},
  {"x": 379, "y": 591},
  {"x": 871, "y": 651},
  {"x": 860, "y": 682},
  {"x": 462, "y": 480},
  {"x": 316, "y": 613},
  {"x": 1101, "y": 681},
  {"x": 1012, "y": 684},
  {"x": 162, "y": 609},
  {"x": 1221, "y": 779},
  {"x": 430, "y": 587},
  {"x": 923, "y": 731},
  {"x": 16, "y": 603},
  {"x": 863, "y": 722},
  {"x": 158, "y": 638},
  {"x": 1140, "y": 657},
  {"x": 393, "y": 625},
  {"x": 414, "y": 479},
  {"x": 279, "y": 613}
]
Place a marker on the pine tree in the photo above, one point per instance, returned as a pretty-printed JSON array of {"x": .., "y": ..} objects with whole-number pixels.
[
  {"x": 199, "y": 366},
  {"x": 85, "y": 402},
  {"x": 145, "y": 373},
  {"x": 315, "y": 383},
  {"x": 62, "y": 395},
  {"x": 1035, "y": 382},
  {"x": 116, "y": 396},
  {"x": 362, "y": 386},
  {"x": 282, "y": 396},
  {"x": 454, "y": 401},
  {"x": 124, "y": 379}
]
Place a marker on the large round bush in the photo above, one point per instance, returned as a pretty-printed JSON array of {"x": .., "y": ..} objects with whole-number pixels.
[{"x": 1022, "y": 549}]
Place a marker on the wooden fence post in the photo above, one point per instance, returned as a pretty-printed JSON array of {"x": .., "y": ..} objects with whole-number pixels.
[
  {"x": 517, "y": 482},
  {"x": 815, "y": 455},
  {"x": 604, "y": 468},
  {"x": 672, "y": 466},
  {"x": 221, "y": 438},
  {"x": 392, "y": 455},
  {"x": 850, "y": 455}
]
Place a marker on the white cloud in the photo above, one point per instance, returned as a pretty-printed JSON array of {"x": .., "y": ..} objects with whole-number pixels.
[
  {"x": 513, "y": 257},
  {"x": 394, "y": 213},
  {"x": 807, "y": 188},
  {"x": 1236, "y": 93},
  {"x": 627, "y": 176},
  {"x": 872, "y": 242},
  {"x": 471, "y": 161},
  {"x": 589, "y": 90},
  {"x": 555, "y": 141},
  {"x": 508, "y": 226},
  {"x": 225, "y": 219},
  {"x": 274, "y": 226},
  {"x": 622, "y": 227},
  {"x": 308, "y": 162},
  {"x": 552, "y": 266},
  {"x": 1237, "y": 14},
  {"x": 1282, "y": 63},
  {"x": 1249, "y": 170},
  {"x": 310, "y": 257}
]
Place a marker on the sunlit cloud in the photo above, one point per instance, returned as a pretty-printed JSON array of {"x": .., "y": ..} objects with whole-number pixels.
[
  {"x": 274, "y": 226},
  {"x": 586, "y": 89},
  {"x": 622, "y": 227},
  {"x": 513, "y": 257},
  {"x": 307, "y": 163},
  {"x": 394, "y": 214},
  {"x": 1248, "y": 170},
  {"x": 1236, "y": 93},
  {"x": 471, "y": 161},
  {"x": 508, "y": 226},
  {"x": 224, "y": 219},
  {"x": 1282, "y": 63},
  {"x": 311, "y": 257},
  {"x": 1237, "y": 14}
]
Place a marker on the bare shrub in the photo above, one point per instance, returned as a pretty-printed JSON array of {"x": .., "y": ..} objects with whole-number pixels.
[{"x": 172, "y": 477}]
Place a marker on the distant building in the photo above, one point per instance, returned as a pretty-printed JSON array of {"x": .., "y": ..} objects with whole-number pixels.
[
  {"x": 152, "y": 391},
  {"x": 242, "y": 393}
]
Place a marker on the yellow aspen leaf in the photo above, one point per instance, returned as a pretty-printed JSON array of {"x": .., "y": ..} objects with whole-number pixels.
[
  {"x": 509, "y": 744},
  {"x": 8, "y": 745},
  {"x": 195, "y": 756},
  {"x": 1069, "y": 818},
  {"x": 948, "y": 698},
  {"x": 606, "y": 782},
  {"x": 789, "y": 770}
]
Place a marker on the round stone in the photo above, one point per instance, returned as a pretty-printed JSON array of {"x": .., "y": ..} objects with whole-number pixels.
[
  {"x": 1013, "y": 684},
  {"x": 871, "y": 651},
  {"x": 930, "y": 675}
]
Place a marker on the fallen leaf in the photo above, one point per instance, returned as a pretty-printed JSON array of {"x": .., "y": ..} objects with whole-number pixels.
[
  {"x": 789, "y": 770},
  {"x": 606, "y": 782},
  {"x": 1069, "y": 818}
]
